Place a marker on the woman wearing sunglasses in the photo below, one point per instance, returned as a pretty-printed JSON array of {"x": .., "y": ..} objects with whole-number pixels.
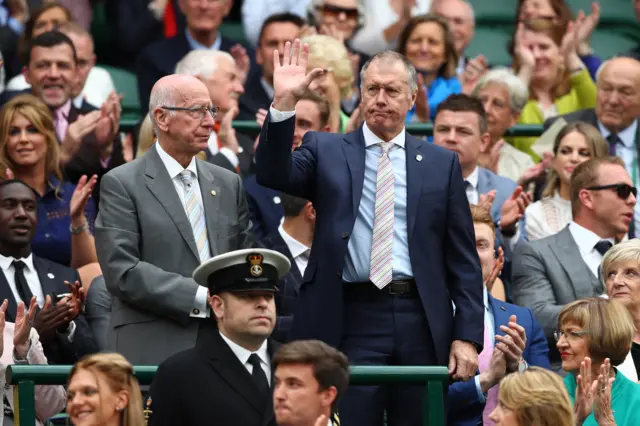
[{"x": 594, "y": 336}]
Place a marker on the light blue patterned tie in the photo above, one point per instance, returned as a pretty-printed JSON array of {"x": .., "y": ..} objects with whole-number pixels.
[{"x": 195, "y": 213}]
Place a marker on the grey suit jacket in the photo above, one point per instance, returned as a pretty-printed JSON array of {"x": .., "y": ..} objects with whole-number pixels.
[
  {"x": 549, "y": 273},
  {"x": 147, "y": 252},
  {"x": 97, "y": 311}
]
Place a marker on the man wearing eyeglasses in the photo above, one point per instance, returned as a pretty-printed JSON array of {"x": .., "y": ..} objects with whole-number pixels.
[
  {"x": 163, "y": 215},
  {"x": 554, "y": 271}
]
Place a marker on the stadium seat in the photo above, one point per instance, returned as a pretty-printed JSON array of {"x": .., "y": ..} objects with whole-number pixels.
[
  {"x": 612, "y": 12},
  {"x": 608, "y": 44},
  {"x": 234, "y": 31},
  {"x": 494, "y": 12},
  {"x": 126, "y": 84},
  {"x": 492, "y": 43}
]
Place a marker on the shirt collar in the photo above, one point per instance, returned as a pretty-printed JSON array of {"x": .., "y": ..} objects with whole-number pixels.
[
  {"x": 473, "y": 178},
  {"x": 5, "y": 262},
  {"x": 627, "y": 136},
  {"x": 371, "y": 139},
  {"x": 585, "y": 238},
  {"x": 485, "y": 297},
  {"x": 173, "y": 167},
  {"x": 78, "y": 100},
  {"x": 267, "y": 88},
  {"x": 195, "y": 45},
  {"x": 243, "y": 354},
  {"x": 295, "y": 247},
  {"x": 64, "y": 109}
]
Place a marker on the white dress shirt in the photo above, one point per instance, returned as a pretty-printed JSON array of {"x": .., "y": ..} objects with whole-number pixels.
[
  {"x": 33, "y": 281},
  {"x": 586, "y": 241},
  {"x": 243, "y": 356},
  {"x": 200, "y": 306},
  {"x": 227, "y": 152},
  {"x": 472, "y": 189},
  {"x": 299, "y": 251}
]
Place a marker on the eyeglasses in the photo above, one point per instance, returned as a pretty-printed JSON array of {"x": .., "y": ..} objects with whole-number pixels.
[
  {"x": 569, "y": 335},
  {"x": 622, "y": 189},
  {"x": 335, "y": 11},
  {"x": 195, "y": 112}
]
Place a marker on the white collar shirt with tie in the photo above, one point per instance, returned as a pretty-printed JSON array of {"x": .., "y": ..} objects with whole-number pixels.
[
  {"x": 586, "y": 241},
  {"x": 299, "y": 251},
  {"x": 243, "y": 356}
]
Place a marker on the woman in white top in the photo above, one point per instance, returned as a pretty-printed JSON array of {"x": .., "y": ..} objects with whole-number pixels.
[{"x": 576, "y": 143}]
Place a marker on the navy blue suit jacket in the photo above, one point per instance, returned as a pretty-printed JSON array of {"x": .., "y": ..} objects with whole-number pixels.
[
  {"x": 264, "y": 207},
  {"x": 288, "y": 287},
  {"x": 328, "y": 170},
  {"x": 465, "y": 409},
  {"x": 160, "y": 59},
  {"x": 52, "y": 277}
]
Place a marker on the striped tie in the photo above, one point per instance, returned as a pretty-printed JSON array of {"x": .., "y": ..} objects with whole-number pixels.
[
  {"x": 196, "y": 215},
  {"x": 380, "y": 268}
]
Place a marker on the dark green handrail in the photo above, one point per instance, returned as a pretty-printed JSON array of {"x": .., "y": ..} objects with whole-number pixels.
[
  {"x": 251, "y": 128},
  {"x": 25, "y": 377}
]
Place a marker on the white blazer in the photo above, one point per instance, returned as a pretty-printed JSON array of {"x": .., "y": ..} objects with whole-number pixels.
[{"x": 628, "y": 368}]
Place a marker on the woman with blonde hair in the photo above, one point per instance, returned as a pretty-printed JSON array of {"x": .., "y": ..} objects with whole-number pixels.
[
  {"x": 102, "y": 391},
  {"x": 335, "y": 85},
  {"x": 535, "y": 397},
  {"x": 575, "y": 143},
  {"x": 30, "y": 151},
  {"x": 594, "y": 336}
]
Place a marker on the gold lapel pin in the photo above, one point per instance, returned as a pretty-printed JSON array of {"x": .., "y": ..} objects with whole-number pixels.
[
  {"x": 419, "y": 157},
  {"x": 213, "y": 192}
]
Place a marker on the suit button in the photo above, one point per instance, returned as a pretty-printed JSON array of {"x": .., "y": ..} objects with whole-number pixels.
[
  {"x": 345, "y": 235},
  {"x": 196, "y": 311}
]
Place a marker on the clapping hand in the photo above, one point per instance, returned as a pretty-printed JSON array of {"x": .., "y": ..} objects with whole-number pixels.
[
  {"x": 76, "y": 300},
  {"x": 485, "y": 201},
  {"x": 513, "y": 208},
  {"x": 109, "y": 121},
  {"x": 585, "y": 391},
  {"x": 23, "y": 325},
  {"x": 513, "y": 343},
  {"x": 3, "y": 311},
  {"x": 422, "y": 106},
  {"x": 79, "y": 199},
  {"x": 227, "y": 133},
  {"x": 243, "y": 63},
  {"x": 602, "y": 401},
  {"x": 290, "y": 78},
  {"x": 495, "y": 271},
  {"x": 50, "y": 318}
]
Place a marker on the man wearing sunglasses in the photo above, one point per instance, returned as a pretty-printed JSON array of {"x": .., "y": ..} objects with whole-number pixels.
[
  {"x": 164, "y": 214},
  {"x": 554, "y": 271}
]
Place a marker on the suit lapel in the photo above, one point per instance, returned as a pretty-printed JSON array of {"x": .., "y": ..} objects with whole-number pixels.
[
  {"x": 227, "y": 365},
  {"x": 500, "y": 314},
  {"x": 211, "y": 203},
  {"x": 281, "y": 246},
  {"x": 354, "y": 152},
  {"x": 47, "y": 279},
  {"x": 161, "y": 186},
  {"x": 417, "y": 164},
  {"x": 6, "y": 293},
  {"x": 567, "y": 252}
]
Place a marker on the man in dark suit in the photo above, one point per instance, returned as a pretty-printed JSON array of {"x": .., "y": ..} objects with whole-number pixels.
[
  {"x": 293, "y": 239},
  {"x": 202, "y": 32},
  {"x": 265, "y": 204},
  {"x": 63, "y": 330},
  {"x": 218, "y": 71},
  {"x": 275, "y": 32},
  {"x": 616, "y": 116},
  {"x": 514, "y": 339},
  {"x": 88, "y": 136},
  {"x": 228, "y": 375},
  {"x": 393, "y": 246},
  {"x": 552, "y": 272}
]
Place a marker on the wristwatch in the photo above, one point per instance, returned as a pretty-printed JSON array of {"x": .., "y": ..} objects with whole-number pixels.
[{"x": 522, "y": 365}]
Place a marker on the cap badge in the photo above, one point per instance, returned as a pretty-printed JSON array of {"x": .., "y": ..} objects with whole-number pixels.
[{"x": 256, "y": 262}]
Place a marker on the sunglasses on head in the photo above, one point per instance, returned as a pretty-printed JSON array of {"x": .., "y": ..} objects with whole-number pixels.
[
  {"x": 622, "y": 189},
  {"x": 335, "y": 11}
]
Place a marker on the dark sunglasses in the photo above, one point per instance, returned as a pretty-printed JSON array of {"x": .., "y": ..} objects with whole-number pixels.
[
  {"x": 622, "y": 189},
  {"x": 335, "y": 11}
]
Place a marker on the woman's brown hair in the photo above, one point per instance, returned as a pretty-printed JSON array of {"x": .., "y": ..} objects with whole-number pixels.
[
  {"x": 39, "y": 115},
  {"x": 450, "y": 65}
]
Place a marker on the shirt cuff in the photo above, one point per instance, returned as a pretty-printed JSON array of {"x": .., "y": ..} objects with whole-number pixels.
[
  {"x": 70, "y": 332},
  {"x": 105, "y": 162},
  {"x": 200, "y": 304},
  {"x": 231, "y": 156},
  {"x": 481, "y": 396},
  {"x": 15, "y": 25},
  {"x": 276, "y": 116}
]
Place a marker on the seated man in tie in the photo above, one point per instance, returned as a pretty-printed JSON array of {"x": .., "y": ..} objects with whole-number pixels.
[
  {"x": 227, "y": 378},
  {"x": 551, "y": 272},
  {"x": 63, "y": 330},
  {"x": 513, "y": 339},
  {"x": 293, "y": 239}
]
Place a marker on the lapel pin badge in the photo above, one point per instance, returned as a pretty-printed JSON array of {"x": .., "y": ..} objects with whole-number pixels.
[
  {"x": 419, "y": 157},
  {"x": 50, "y": 275},
  {"x": 503, "y": 308},
  {"x": 276, "y": 200},
  {"x": 213, "y": 192}
]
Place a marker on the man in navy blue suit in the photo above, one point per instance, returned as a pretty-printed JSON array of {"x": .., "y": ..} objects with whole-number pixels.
[
  {"x": 514, "y": 339},
  {"x": 393, "y": 245}
]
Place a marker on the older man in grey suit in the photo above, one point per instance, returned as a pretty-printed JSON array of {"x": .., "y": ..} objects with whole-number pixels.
[
  {"x": 161, "y": 216},
  {"x": 554, "y": 271}
]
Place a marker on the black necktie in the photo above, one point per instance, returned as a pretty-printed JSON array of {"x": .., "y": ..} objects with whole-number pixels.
[
  {"x": 467, "y": 184},
  {"x": 613, "y": 140},
  {"x": 603, "y": 246},
  {"x": 258, "y": 375},
  {"x": 21, "y": 282}
]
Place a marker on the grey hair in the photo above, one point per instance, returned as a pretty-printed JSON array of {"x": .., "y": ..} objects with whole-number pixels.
[
  {"x": 518, "y": 91},
  {"x": 313, "y": 15},
  {"x": 622, "y": 252},
  {"x": 161, "y": 95},
  {"x": 390, "y": 56},
  {"x": 201, "y": 62}
]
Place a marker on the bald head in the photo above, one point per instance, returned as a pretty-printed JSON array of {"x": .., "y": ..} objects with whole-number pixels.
[
  {"x": 618, "y": 99},
  {"x": 173, "y": 89},
  {"x": 459, "y": 14}
]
